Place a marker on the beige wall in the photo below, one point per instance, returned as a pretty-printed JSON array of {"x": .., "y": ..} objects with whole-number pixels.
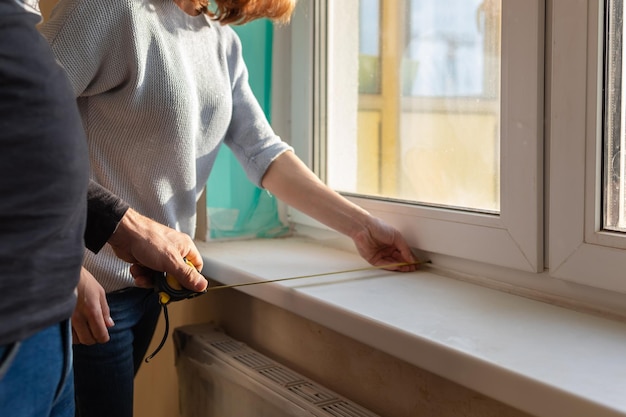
[
  {"x": 375, "y": 380},
  {"x": 46, "y": 6},
  {"x": 156, "y": 385}
]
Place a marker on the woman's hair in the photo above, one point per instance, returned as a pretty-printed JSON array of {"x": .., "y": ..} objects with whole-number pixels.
[{"x": 242, "y": 11}]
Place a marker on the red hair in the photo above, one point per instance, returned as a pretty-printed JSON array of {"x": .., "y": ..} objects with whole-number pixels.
[{"x": 239, "y": 12}]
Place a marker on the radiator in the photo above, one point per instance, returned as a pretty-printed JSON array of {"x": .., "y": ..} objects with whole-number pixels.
[{"x": 222, "y": 377}]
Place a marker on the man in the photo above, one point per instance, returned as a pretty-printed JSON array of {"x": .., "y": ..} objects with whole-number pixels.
[{"x": 43, "y": 218}]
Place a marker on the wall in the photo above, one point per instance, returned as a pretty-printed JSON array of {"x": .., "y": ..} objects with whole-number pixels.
[
  {"x": 381, "y": 383},
  {"x": 46, "y": 6},
  {"x": 156, "y": 384}
]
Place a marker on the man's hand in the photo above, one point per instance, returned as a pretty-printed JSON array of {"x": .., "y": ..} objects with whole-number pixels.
[
  {"x": 151, "y": 246},
  {"x": 91, "y": 319}
]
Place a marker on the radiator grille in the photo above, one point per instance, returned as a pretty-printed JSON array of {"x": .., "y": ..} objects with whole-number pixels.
[
  {"x": 344, "y": 409},
  {"x": 312, "y": 393},
  {"x": 227, "y": 346},
  {"x": 253, "y": 360},
  {"x": 280, "y": 375},
  {"x": 321, "y": 402}
]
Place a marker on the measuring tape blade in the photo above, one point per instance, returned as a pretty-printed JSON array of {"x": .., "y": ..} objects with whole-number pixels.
[{"x": 321, "y": 274}]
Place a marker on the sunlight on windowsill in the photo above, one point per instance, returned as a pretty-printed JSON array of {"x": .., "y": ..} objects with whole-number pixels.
[{"x": 542, "y": 359}]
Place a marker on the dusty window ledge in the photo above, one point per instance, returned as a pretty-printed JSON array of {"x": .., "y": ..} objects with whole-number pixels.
[{"x": 540, "y": 358}]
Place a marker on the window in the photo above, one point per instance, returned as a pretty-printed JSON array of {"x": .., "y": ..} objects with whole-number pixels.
[
  {"x": 428, "y": 97},
  {"x": 508, "y": 222},
  {"x": 395, "y": 89},
  {"x": 586, "y": 175}
]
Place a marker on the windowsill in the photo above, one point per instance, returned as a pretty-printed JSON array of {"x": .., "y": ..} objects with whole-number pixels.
[{"x": 543, "y": 359}]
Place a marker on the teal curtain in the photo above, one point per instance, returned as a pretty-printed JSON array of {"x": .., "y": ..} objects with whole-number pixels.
[{"x": 235, "y": 206}]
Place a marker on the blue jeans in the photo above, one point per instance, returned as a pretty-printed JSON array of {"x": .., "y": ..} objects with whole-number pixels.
[
  {"x": 36, "y": 375},
  {"x": 104, "y": 373}
]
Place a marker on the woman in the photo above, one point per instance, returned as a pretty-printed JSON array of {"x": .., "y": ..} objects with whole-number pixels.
[{"x": 160, "y": 84}]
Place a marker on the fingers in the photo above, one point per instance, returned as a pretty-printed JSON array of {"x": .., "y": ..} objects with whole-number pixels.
[
  {"x": 188, "y": 276},
  {"x": 193, "y": 256},
  {"x": 398, "y": 261},
  {"x": 91, "y": 318},
  {"x": 384, "y": 246},
  {"x": 90, "y": 328},
  {"x": 403, "y": 254},
  {"x": 144, "y": 277},
  {"x": 185, "y": 274},
  {"x": 186, "y": 267}
]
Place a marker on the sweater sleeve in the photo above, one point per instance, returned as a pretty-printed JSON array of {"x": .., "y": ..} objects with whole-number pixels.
[
  {"x": 104, "y": 212},
  {"x": 250, "y": 136}
]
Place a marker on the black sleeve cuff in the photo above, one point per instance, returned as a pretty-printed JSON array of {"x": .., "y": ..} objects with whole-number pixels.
[{"x": 104, "y": 212}]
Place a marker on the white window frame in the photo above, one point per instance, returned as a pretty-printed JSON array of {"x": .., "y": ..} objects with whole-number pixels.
[
  {"x": 576, "y": 250},
  {"x": 579, "y": 250},
  {"x": 513, "y": 239}
]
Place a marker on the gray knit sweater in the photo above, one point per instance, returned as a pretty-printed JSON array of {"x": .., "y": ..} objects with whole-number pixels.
[{"x": 158, "y": 91}]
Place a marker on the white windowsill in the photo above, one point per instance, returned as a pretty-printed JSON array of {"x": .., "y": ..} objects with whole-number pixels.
[{"x": 540, "y": 358}]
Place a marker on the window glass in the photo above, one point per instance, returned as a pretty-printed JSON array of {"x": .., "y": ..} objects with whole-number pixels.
[
  {"x": 369, "y": 47},
  {"x": 425, "y": 125},
  {"x": 614, "y": 161}
]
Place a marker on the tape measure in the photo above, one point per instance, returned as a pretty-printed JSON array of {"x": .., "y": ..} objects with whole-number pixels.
[{"x": 169, "y": 289}]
